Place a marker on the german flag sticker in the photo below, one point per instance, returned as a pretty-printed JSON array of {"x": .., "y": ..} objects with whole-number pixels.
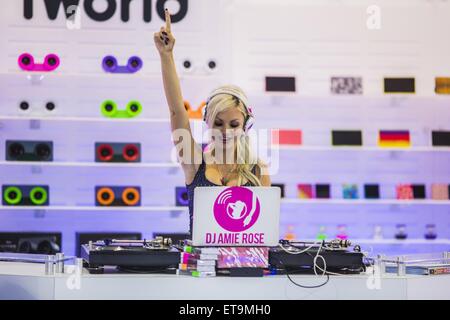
[{"x": 394, "y": 138}]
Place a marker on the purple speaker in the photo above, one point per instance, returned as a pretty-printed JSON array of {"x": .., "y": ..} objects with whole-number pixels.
[
  {"x": 181, "y": 196},
  {"x": 110, "y": 65}
]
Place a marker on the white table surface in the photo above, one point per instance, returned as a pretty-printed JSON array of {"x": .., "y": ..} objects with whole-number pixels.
[{"x": 28, "y": 281}]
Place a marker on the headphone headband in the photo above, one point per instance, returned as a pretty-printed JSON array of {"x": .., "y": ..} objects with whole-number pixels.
[{"x": 238, "y": 95}]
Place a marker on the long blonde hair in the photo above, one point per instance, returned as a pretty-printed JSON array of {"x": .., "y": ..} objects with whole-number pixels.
[{"x": 246, "y": 160}]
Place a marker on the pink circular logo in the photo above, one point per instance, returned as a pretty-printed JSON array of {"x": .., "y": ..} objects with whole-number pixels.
[{"x": 236, "y": 209}]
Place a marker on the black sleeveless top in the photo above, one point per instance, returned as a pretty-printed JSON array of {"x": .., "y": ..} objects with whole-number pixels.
[{"x": 200, "y": 180}]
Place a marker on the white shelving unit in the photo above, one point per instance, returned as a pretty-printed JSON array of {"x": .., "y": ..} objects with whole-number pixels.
[
  {"x": 366, "y": 202},
  {"x": 84, "y": 119},
  {"x": 283, "y": 201},
  {"x": 402, "y": 242},
  {"x": 362, "y": 149},
  {"x": 91, "y": 164}
]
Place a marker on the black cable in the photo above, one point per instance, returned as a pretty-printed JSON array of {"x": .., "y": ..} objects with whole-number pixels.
[
  {"x": 299, "y": 285},
  {"x": 146, "y": 271}
]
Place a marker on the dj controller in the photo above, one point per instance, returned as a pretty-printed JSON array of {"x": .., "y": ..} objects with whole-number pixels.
[{"x": 160, "y": 255}]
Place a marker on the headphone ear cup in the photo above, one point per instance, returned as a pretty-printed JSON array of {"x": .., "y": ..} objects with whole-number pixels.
[
  {"x": 249, "y": 124},
  {"x": 204, "y": 112}
]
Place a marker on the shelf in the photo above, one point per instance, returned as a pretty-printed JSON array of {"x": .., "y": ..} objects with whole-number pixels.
[
  {"x": 365, "y": 201},
  {"x": 92, "y": 208},
  {"x": 86, "y": 119},
  {"x": 362, "y": 149},
  {"x": 145, "y": 76},
  {"x": 38, "y": 77},
  {"x": 91, "y": 164},
  {"x": 401, "y": 242},
  {"x": 175, "y": 208}
]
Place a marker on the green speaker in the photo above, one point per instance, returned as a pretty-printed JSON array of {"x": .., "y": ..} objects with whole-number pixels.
[
  {"x": 110, "y": 110},
  {"x": 25, "y": 195}
]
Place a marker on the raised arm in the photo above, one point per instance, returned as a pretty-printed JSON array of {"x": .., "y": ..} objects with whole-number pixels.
[
  {"x": 179, "y": 119},
  {"x": 165, "y": 42}
]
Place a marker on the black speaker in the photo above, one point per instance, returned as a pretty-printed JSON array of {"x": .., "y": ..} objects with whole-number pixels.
[
  {"x": 323, "y": 191},
  {"x": 18, "y": 150},
  {"x": 371, "y": 191},
  {"x": 399, "y": 85},
  {"x": 418, "y": 191},
  {"x": 280, "y": 84},
  {"x": 281, "y": 186},
  {"x": 346, "y": 138},
  {"x": 31, "y": 242},
  {"x": 441, "y": 138}
]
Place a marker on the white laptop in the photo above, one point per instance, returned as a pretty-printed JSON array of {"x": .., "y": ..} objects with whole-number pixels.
[{"x": 236, "y": 216}]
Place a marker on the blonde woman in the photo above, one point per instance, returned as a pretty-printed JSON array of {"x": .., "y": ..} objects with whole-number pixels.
[{"x": 228, "y": 160}]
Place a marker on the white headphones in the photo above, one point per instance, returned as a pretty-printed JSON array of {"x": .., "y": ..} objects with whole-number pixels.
[{"x": 249, "y": 121}]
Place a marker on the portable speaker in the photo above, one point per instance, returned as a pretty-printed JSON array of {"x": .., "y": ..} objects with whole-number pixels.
[
  {"x": 323, "y": 191},
  {"x": 404, "y": 192},
  {"x": 109, "y": 109},
  {"x": 305, "y": 191},
  {"x": 25, "y": 195},
  {"x": 117, "y": 152},
  {"x": 181, "y": 196},
  {"x": 346, "y": 85},
  {"x": 371, "y": 191},
  {"x": 401, "y": 233},
  {"x": 108, "y": 196},
  {"x": 418, "y": 191},
  {"x": 133, "y": 65},
  {"x": 281, "y": 186},
  {"x": 24, "y": 107},
  {"x": 194, "y": 114},
  {"x": 440, "y": 191},
  {"x": 31, "y": 242},
  {"x": 399, "y": 85},
  {"x": 394, "y": 138},
  {"x": 286, "y": 137},
  {"x": 26, "y": 63},
  {"x": 441, "y": 138},
  {"x": 350, "y": 191},
  {"x": 442, "y": 85},
  {"x": 346, "y": 138},
  {"x": 18, "y": 150},
  {"x": 430, "y": 233},
  {"x": 280, "y": 84}
]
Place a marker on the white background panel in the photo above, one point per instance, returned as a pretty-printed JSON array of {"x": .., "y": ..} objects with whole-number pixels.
[{"x": 310, "y": 40}]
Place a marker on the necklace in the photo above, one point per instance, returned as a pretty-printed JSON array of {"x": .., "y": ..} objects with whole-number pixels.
[{"x": 225, "y": 178}]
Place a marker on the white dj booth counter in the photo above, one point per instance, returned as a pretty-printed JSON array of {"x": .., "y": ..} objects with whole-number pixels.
[{"x": 29, "y": 281}]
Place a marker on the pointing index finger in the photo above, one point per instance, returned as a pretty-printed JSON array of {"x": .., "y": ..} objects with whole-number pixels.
[{"x": 168, "y": 27}]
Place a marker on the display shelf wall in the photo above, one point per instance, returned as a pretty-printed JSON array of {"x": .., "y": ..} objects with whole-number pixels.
[{"x": 309, "y": 40}]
